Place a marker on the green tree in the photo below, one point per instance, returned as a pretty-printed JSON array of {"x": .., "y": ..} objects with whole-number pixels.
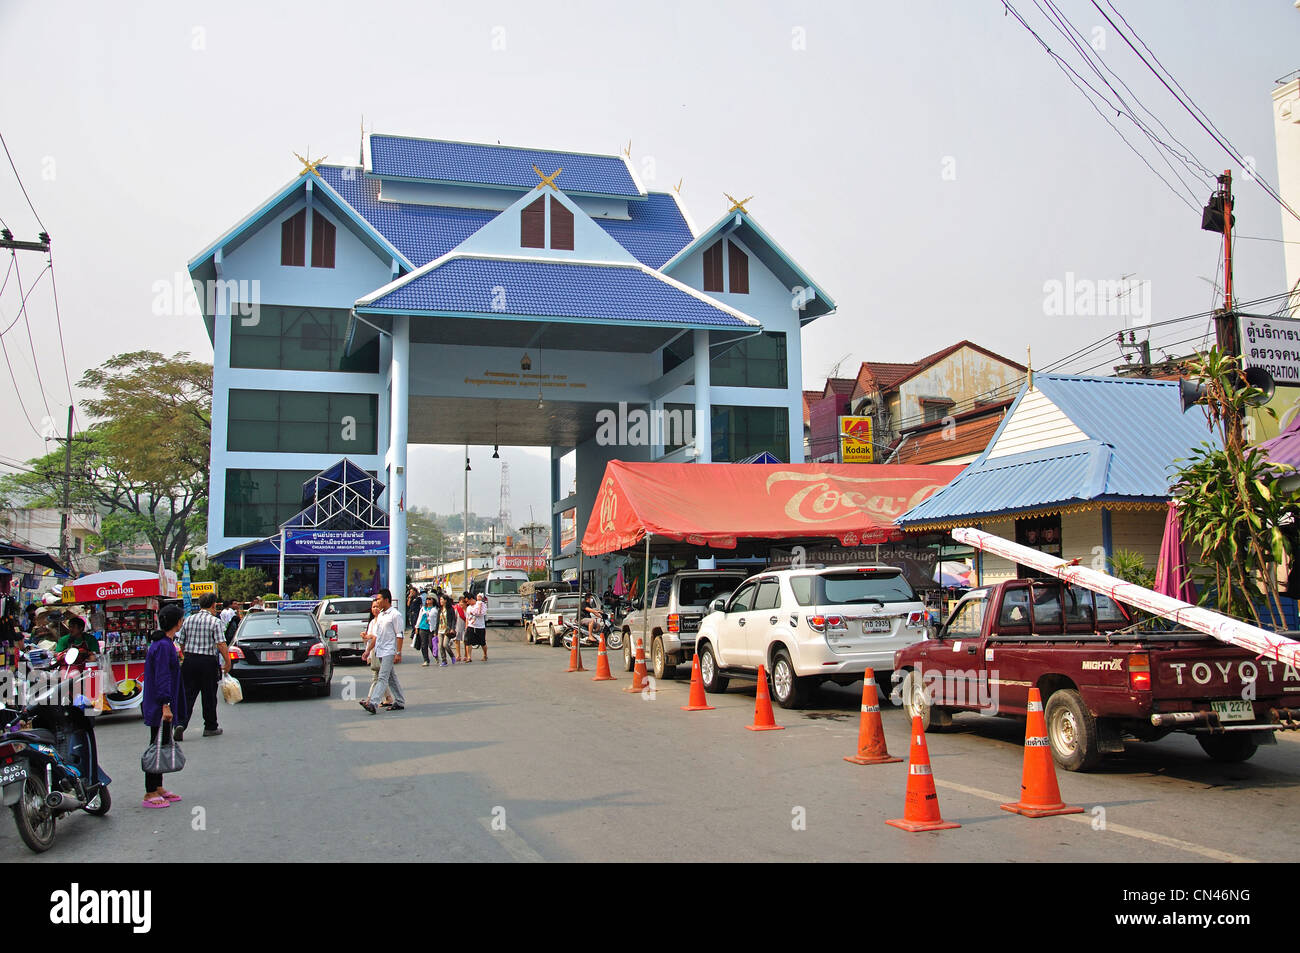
[
  {"x": 143, "y": 461},
  {"x": 1231, "y": 505},
  {"x": 423, "y": 535}
]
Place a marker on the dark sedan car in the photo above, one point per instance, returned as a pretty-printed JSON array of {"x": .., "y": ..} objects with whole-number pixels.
[{"x": 281, "y": 648}]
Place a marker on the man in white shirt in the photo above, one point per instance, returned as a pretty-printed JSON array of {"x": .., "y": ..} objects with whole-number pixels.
[{"x": 389, "y": 626}]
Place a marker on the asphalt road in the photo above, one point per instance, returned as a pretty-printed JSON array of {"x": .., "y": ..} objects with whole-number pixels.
[{"x": 516, "y": 760}]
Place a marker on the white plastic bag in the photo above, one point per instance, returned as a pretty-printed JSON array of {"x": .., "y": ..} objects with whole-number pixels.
[{"x": 231, "y": 690}]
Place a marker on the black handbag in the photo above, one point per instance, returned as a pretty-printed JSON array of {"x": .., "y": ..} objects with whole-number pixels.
[{"x": 164, "y": 755}]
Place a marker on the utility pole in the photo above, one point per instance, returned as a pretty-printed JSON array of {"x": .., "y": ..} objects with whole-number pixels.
[
  {"x": 7, "y": 240},
  {"x": 67, "y": 494},
  {"x": 465, "y": 587},
  {"x": 1225, "y": 325}
]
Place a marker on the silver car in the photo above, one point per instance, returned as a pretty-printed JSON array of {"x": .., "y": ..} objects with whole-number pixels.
[{"x": 344, "y": 621}]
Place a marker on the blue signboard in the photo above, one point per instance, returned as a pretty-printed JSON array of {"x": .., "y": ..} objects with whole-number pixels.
[
  {"x": 297, "y": 605},
  {"x": 322, "y": 542},
  {"x": 185, "y": 588}
]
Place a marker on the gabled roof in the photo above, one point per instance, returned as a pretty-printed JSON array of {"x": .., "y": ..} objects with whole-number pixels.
[
  {"x": 557, "y": 290},
  {"x": 767, "y": 251},
  {"x": 1135, "y": 432},
  {"x": 888, "y": 376},
  {"x": 838, "y": 386},
  {"x": 496, "y": 166},
  {"x": 939, "y": 443},
  {"x": 654, "y": 233}
]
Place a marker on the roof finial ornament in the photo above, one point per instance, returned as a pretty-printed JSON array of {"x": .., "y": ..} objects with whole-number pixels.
[
  {"x": 628, "y": 151},
  {"x": 361, "y": 148},
  {"x": 1029, "y": 365},
  {"x": 678, "y": 187},
  {"x": 737, "y": 205},
  {"x": 547, "y": 179},
  {"x": 309, "y": 165}
]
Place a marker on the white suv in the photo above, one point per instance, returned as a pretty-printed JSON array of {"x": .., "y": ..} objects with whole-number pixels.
[{"x": 810, "y": 625}]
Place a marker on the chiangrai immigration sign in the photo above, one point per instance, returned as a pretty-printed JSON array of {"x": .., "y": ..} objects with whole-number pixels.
[
  {"x": 1272, "y": 344},
  {"x": 317, "y": 542}
]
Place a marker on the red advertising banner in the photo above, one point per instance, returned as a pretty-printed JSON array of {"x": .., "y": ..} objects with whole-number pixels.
[
  {"x": 526, "y": 563},
  {"x": 713, "y": 504}
]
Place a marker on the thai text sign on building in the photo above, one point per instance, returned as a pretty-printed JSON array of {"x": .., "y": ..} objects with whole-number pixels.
[
  {"x": 1272, "y": 344},
  {"x": 316, "y": 542}
]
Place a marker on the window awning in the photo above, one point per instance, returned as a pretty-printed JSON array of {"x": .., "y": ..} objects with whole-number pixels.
[{"x": 716, "y": 504}]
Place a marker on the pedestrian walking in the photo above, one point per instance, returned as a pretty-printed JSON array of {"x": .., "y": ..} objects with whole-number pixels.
[
  {"x": 369, "y": 652},
  {"x": 426, "y": 628},
  {"x": 476, "y": 622},
  {"x": 446, "y": 630},
  {"x": 228, "y": 613},
  {"x": 202, "y": 639},
  {"x": 461, "y": 654},
  {"x": 388, "y": 647},
  {"x": 164, "y": 696},
  {"x": 413, "y": 606}
]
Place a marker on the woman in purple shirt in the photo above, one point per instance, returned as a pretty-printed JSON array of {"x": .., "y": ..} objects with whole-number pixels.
[{"x": 164, "y": 694}]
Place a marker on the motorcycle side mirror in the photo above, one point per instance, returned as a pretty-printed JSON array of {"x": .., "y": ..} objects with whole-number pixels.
[{"x": 70, "y": 656}]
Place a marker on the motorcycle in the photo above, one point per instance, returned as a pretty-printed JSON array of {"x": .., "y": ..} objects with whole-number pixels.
[
  {"x": 604, "y": 624},
  {"x": 49, "y": 761}
]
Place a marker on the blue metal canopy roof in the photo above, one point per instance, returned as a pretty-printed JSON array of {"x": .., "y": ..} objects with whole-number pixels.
[
  {"x": 554, "y": 289},
  {"x": 469, "y": 163},
  {"x": 1136, "y": 434},
  {"x": 655, "y": 232}
]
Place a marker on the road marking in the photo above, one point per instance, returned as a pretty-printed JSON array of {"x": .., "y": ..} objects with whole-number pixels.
[
  {"x": 1117, "y": 828},
  {"x": 514, "y": 845}
]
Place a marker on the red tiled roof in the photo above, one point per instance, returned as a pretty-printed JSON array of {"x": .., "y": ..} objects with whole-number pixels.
[{"x": 963, "y": 438}]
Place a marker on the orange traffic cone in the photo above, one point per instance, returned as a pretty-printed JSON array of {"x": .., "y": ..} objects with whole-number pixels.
[
  {"x": 763, "y": 720},
  {"x": 697, "y": 700},
  {"x": 575, "y": 654},
  {"x": 638, "y": 672},
  {"x": 921, "y": 804},
  {"x": 871, "y": 731},
  {"x": 1039, "y": 794},
  {"x": 603, "y": 674}
]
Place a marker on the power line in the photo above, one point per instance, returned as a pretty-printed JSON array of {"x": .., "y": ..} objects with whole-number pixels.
[
  {"x": 23, "y": 306},
  {"x": 5, "y": 350},
  {"x": 36, "y": 361},
  {"x": 58, "y": 320},
  {"x": 20, "y": 184}
]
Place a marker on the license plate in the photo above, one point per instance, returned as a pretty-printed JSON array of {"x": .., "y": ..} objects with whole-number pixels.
[
  {"x": 875, "y": 625},
  {"x": 1234, "y": 710},
  {"x": 276, "y": 656},
  {"x": 9, "y": 773}
]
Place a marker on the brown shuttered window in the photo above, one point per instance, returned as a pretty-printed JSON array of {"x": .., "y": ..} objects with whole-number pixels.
[
  {"x": 532, "y": 225},
  {"x": 293, "y": 240},
  {"x": 322, "y": 241},
  {"x": 737, "y": 269},
  {"x": 713, "y": 267},
  {"x": 561, "y": 226}
]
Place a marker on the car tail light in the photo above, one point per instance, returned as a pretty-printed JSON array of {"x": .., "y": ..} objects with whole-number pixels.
[
  {"x": 674, "y": 622},
  {"x": 334, "y": 633},
  {"x": 1139, "y": 672},
  {"x": 817, "y": 623},
  {"x": 866, "y": 569},
  {"x": 317, "y": 649},
  {"x": 236, "y": 652},
  {"x": 915, "y": 619},
  {"x": 835, "y": 621}
]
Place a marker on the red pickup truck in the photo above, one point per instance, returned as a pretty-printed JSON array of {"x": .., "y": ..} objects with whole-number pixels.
[{"x": 1103, "y": 680}]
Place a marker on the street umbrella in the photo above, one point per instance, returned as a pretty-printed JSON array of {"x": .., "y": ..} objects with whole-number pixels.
[
  {"x": 1172, "y": 578},
  {"x": 620, "y": 587},
  {"x": 953, "y": 575}
]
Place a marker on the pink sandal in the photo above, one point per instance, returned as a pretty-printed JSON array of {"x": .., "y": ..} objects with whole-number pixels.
[
  {"x": 155, "y": 802},
  {"x": 170, "y": 796}
]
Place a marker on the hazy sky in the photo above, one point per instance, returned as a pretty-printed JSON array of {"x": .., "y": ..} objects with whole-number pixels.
[{"x": 925, "y": 161}]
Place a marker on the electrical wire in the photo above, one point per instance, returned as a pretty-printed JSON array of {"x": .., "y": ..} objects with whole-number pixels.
[
  {"x": 5, "y": 350},
  {"x": 23, "y": 306},
  {"x": 58, "y": 320},
  {"x": 36, "y": 361},
  {"x": 20, "y": 184}
]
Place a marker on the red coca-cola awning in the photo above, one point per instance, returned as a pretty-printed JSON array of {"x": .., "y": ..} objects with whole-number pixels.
[{"x": 715, "y": 504}]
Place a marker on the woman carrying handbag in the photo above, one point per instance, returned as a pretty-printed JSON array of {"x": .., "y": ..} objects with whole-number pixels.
[{"x": 164, "y": 694}]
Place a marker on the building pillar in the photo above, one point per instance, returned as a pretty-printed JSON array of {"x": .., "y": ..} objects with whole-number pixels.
[
  {"x": 398, "y": 420},
  {"x": 555, "y": 517},
  {"x": 703, "y": 415}
]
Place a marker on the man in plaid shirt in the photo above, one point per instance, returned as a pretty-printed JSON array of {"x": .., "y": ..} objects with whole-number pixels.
[{"x": 201, "y": 639}]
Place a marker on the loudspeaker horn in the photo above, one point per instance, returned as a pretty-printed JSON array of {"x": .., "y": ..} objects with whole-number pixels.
[
  {"x": 1261, "y": 379},
  {"x": 1190, "y": 393}
]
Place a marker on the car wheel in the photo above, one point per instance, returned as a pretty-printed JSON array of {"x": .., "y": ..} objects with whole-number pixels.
[
  {"x": 917, "y": 704},
  {"x": 629, "y": 657},
  {"x": 555, "y": 638},
  {"x": 789, "y": 689},
  {"x": 1071, "y": 731},
  {"x": 100, "y": 804},
  {"x": 1229, "y": 748},
  {"x": 714, "y": 682},
  {"x": 659, "y": 659},
  {"x": 35, "y": 820}
]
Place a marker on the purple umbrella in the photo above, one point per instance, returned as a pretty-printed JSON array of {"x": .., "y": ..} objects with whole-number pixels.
[{"x": 1172, "y": 578}]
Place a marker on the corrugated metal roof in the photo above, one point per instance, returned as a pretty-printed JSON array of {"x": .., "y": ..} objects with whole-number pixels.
[
  {"x": 521, "y": 288},
  {"x": 1137, "y": 434},
  {"x": 1285, "y": 447},
  {"x": 472, "y": 163},
  {"x": 655, "y": 232}
]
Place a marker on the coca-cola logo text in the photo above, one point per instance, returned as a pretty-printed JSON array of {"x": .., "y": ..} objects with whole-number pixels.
[{"x": 819, "y": 498}]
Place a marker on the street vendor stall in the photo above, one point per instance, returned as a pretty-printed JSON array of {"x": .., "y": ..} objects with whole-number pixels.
[{"x": 123, "y": 609}]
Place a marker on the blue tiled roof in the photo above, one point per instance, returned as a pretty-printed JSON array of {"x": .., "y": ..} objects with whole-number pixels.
[
  {"x": 553, "y": 289},
  {"x": 1136, "y": 433},
  {"x": 476, "y": 164},
  {"x": 422, "y": 233}
]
